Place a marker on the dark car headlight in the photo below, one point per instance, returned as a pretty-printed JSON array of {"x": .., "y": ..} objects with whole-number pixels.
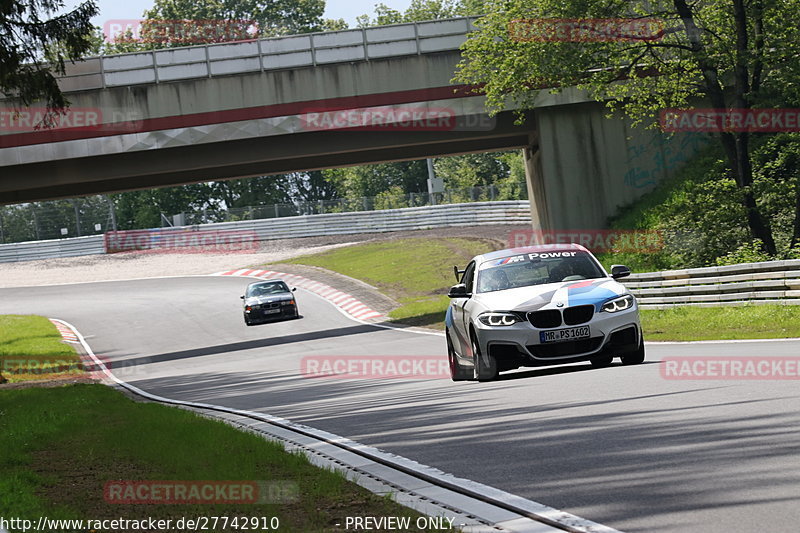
[
  {"x": 287, "y": 302},
  {"x": 618, "y": 304},
  {"x": 499, "y": 319}
]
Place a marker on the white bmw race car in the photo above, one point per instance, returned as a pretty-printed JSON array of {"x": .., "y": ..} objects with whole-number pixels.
[{"x": 540, "y": 305}]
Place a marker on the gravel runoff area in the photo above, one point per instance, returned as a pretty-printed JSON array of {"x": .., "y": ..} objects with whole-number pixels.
[{"x": 132, "y": 265}]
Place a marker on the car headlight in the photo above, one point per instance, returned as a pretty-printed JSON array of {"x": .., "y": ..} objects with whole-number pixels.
[
  {"x": 499, "y": 319},
  {"x": 287, "y": 302},
  {"x": 618, "y": 304}
]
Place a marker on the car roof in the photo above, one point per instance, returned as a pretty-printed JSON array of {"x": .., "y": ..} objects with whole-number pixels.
[
  {"x": 267, "y": 281},
  {"x": 529, "y": 249}
]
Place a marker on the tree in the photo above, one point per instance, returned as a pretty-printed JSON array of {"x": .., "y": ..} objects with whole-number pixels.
[
  {"x": 269, "y": 18},
  {"x": 371, "y": 180},
  {"x": 420, "y": 10},
  {"x": 28, "y": 38},
  {"x": 730, "y": 53}
]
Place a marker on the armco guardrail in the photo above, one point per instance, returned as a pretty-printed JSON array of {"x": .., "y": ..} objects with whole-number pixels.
[
  {"x": 276, "y": 53},
  {"x": 29, "y": 251},
  {"x": 775, "y": 282},
  {"x": 411, "y": 218}
]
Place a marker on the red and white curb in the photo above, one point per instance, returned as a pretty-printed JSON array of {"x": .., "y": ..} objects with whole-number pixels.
[
  {"x": 66, "y": 333},
  {"x": 342, "y": 300}
]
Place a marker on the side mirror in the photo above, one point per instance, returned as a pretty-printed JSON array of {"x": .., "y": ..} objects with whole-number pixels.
[
  {"x": 242, "y": 297},
  {"x": 294, "y": 289},
  {"x": 458, "y": 291},
  {"x": 620, "y": 271}
]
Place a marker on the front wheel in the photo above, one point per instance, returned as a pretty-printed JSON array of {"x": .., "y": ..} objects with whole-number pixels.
[
  {"x": 457, "y": 372},
  {"x": 485, "y": 365},
  {"x": 635, "y": 358}
]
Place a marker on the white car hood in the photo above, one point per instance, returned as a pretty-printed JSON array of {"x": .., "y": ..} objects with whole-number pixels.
[{"x": 549, "y": 295}]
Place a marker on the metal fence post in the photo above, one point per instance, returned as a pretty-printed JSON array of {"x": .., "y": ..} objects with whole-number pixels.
[
  {"x": 77, "y": 217},
  {"x": 112, "y": 213},
  {"x": 35, "y": 223}
]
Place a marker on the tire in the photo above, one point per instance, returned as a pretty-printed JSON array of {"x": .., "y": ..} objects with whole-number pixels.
[
  {"x": 457, "y": 372},
  {"x": 485, "y": 365},
  {"x": 635, "y": 358},
  {"x": 601, "y": 361}
]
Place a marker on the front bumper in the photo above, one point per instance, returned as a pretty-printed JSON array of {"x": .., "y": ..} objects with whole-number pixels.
[
  {"x": 520, "y": 345},
  {"x": 259, "y": 316}
]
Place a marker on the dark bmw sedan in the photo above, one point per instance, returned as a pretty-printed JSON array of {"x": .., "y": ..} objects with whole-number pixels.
[{"x": 265, "y": 301}]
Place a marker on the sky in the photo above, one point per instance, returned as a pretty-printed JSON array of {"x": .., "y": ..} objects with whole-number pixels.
[{"x": 334, "y": 9}]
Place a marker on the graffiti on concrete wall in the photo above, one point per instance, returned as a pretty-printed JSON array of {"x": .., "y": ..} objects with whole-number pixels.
[{"x": 658, "y": 157}]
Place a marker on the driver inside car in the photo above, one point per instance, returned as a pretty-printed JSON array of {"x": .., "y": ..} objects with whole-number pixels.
[{"x": 496, "y": 281}]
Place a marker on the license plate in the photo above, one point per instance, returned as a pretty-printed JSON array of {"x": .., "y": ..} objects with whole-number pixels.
[
  {"x": 271, "y": 311},
  {"x": 568, "y": 334}
]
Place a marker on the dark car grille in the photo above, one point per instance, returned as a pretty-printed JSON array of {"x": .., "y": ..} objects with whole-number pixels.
[
  {"x": 562, "y": 349},
  {"x": 551, "y": 318},
  {"x": 578, "y": 314},
  {"x": 272, "y": 305}
]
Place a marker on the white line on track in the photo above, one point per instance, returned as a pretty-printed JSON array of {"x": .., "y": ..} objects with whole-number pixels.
[{"x": 547, "y": 516}]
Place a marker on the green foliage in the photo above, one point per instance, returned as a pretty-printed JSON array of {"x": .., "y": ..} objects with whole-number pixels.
[
  {"x": 420, "y": 10},
  {"x": 508, "y": 61},
  {"x": 392, "y": 198},
  {"x": 27, "y": 36},
  {"x": 471, "y": 170},
  {"x": 272, "y": 18},
  {"x": 700, "y": 215},
  {"x": 748, "y": 252},
  {"x": 687, "y": 323}
]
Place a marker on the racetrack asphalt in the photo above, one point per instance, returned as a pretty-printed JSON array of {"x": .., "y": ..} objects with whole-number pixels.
[{"x": 621, "y": 445}]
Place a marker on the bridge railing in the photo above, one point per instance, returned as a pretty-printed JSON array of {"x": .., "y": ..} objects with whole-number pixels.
[{"x": 277, "y": 53}]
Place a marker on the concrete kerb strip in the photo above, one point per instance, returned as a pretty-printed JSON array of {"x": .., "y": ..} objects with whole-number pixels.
[{"x": 428, "y": 490}]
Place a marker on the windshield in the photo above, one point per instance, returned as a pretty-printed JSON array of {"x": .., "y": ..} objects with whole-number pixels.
[
  {"x": 264, "y": 289},
  {"x": 536, "y": 269}
]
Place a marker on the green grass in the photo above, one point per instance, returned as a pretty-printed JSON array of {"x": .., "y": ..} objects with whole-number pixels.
[
  {"x": 415, "y": 272},
  {"x": 31, "y": 349},
  {"x": 60, "y": 446},
  {"x": 721, "y": 323}
]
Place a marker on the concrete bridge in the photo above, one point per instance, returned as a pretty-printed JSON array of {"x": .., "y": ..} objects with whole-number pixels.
[{"x": 317, "y": 101}]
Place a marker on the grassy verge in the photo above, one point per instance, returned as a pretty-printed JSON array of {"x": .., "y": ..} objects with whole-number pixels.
[
  {"x": 721, "y": 323},
  {"x": 31, "y": 349},
  {"x": 418, "y": 273},
  {"x": 60, "y": 446},
  {"x": 414, "y": 272}
]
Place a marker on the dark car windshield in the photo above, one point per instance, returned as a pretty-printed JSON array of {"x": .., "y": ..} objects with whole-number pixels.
[
  {"x": 264, "y": 289},
  {"x": 524, "y": 270}
]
